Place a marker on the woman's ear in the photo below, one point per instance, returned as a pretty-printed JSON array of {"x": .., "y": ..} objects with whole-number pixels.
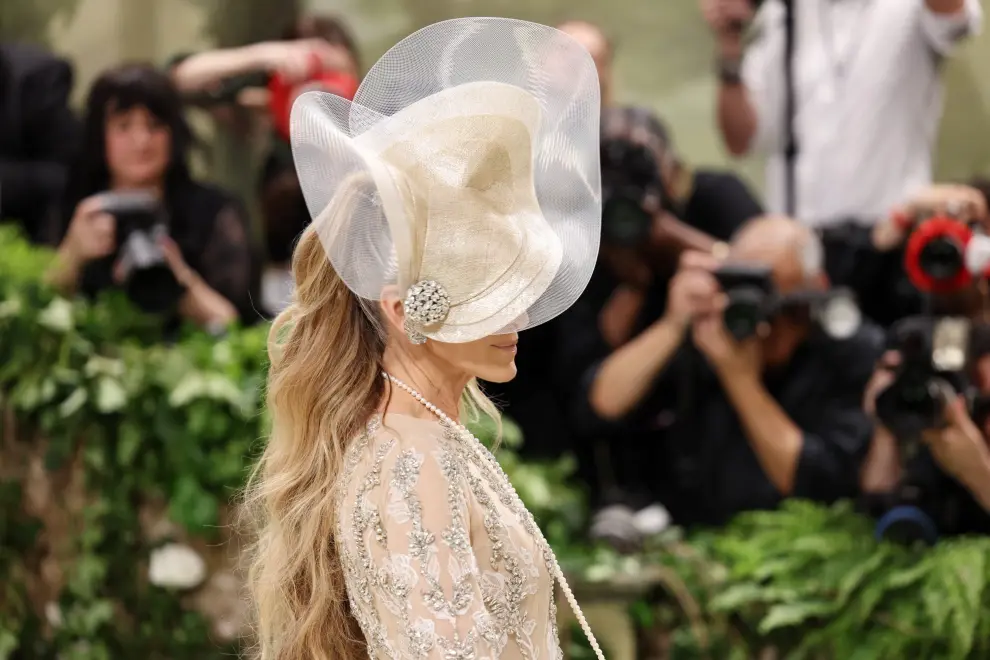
[{"x": 392, "y": 309}]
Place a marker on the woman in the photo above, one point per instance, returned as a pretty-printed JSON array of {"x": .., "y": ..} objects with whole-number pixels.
[
  {"x": 136, "y": 145},
  {"x": 455, "y": 202}
]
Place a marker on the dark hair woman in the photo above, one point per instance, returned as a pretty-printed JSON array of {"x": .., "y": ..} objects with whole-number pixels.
[{"x": 135, "y": 147}]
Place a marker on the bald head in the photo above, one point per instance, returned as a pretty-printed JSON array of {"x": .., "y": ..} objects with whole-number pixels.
[
  {"x": 790, "y": 248},
  {"x": 590, "y": 36},
  {"x": 598, "y": 45}
]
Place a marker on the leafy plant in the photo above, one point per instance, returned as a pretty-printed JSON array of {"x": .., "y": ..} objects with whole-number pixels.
[
  {"x": 811, "y": 582},
  {"x": 148, "y": 422}
]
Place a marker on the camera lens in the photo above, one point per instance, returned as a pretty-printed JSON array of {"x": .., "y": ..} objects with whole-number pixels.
[
  {"x": 941, "y": 258},
  {"x": 742, "y": 317},
  {"x": 624, "y": 222}
]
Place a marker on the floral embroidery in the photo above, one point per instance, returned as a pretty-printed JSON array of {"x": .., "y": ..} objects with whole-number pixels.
[{"x": 440, "y": 560}]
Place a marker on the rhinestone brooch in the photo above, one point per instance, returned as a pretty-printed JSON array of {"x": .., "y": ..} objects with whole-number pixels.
[{"x": 426, "y": 304}]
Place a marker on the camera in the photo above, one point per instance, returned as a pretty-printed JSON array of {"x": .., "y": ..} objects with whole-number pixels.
[
  {"x": 943, "y": 254},
  {"x": 630, "y": 184},
  {"x": 934, "y": 356},
  {"x": 753, "y": 300},
  {"x": 141, "y": 223}
]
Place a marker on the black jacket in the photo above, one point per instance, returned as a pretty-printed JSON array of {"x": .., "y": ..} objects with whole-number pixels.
[{"x": 38, "y": 137}]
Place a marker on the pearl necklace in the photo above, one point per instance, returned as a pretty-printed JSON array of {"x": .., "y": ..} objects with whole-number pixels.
[{"x": 558, "y": 574}]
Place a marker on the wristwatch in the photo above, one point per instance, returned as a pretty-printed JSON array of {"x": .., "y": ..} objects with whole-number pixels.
[{"x": 730, "y": 70}]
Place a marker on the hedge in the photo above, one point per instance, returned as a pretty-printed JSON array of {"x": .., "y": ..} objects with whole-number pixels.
[{"x": 88, "y": 389}]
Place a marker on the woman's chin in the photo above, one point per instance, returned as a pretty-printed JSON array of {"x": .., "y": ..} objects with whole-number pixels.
[{"x": 500, "y": 373}]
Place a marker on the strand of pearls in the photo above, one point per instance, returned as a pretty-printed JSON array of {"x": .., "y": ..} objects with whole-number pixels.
[{"x": 558, "y": 574}]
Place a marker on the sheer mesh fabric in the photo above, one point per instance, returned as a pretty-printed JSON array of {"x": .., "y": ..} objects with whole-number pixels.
[{"x": 379, "y": 171}]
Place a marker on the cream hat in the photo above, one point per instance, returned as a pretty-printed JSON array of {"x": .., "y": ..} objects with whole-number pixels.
[{"x": 465, "y": 172}]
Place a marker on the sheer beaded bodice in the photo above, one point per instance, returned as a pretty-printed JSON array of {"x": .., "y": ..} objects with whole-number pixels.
[{"x": 440, "y": 559}]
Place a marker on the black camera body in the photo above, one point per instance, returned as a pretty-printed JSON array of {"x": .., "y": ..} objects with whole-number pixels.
[
  {"x": 934, "y": 356},
  {"x": 752, "y": 298},
  {"x": 630, "y": 178},
  {"x": 141, "y": 223}
]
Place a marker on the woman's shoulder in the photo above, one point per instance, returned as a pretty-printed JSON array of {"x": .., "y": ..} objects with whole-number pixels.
[{"x": 400, "y": 439}]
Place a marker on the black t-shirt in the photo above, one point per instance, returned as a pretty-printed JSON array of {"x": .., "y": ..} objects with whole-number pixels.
[
  {"x": 719, "y": 204},
  {"x": 685, "y": 446}
]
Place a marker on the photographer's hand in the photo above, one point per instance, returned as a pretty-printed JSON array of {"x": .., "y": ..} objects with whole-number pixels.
[
  {"x": 91, "y": 235},
  {"x": 200, "y": 303},
  {"x": 737, "y": 112},
  {"x": 730, "y": 358},
  {"x": 881, "y": 470},
  {"x": 627, "y": 375},
  {"x": 961, "y": 450},
  {"x": 693, "y": 290},
  {"x": 727, "y": 19},
  {"x": 775, "y": 439},
  {"x": 963, "y": 202}
]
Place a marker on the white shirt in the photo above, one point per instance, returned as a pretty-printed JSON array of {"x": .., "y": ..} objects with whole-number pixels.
[{"x": 868, "y": 97}]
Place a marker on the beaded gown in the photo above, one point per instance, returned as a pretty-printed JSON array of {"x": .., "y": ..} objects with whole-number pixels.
[{"x": 440, "y": 559}]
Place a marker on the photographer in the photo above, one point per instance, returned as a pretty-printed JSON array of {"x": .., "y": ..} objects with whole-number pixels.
[
  {"x": 38, "y": 137},
  {"x": 862, "y": 101},
  {"x": 723, "y": 425},
  {"x": 138, "y": 221},
  {"x": 947, "y": 477},
  {"x": 870, "y": 261},
  {"x": 927, "y": 472}
]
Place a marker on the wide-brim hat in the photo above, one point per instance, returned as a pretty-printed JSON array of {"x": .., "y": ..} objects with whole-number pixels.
[{"x": 465, "y": 172}]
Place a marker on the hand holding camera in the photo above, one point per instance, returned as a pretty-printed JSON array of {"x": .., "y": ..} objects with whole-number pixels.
[
  {"x": 91, "y": 234},
  {"x": 693, "y": 291},
  {"x": 696, "y": 299},
  {"x": 727, "y": 355},
  {"x": 964, "y": 203}
]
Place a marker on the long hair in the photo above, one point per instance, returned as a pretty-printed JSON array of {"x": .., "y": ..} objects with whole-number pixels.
[
  {"x": 118, "y": 90},
  {"x": 324, "y": 384}
]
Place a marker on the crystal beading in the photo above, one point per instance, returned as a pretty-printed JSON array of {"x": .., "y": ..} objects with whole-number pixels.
[
  {"x": 557, "y": 572},
  {"x": 426, "y": 303}
]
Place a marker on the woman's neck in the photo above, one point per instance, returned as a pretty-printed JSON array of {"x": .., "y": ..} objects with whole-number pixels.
[
  {"x": 157, "y": 188},
  {"x": 443, "y": 387}
]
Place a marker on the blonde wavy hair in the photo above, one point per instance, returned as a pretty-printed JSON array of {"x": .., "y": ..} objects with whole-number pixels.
[{"x": 323, "y": 385}]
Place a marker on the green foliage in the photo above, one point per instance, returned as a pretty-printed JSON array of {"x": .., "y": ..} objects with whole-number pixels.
[
  {"x": 174, "y": 424},
  {"x": 812, "y": 582}
]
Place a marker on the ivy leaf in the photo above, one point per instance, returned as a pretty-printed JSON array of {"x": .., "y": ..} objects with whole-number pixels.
[
  {"x": 110, "y": 395},
  {"x": 74, "y": 402},
  {"x": 192, "y": 507},
  {"x": 129, "y": 440},
  {"x": 57, "y": 316}
]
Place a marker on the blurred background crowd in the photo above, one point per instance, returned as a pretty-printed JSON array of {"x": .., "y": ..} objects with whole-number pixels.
[{"x": 791, "y": 293}]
